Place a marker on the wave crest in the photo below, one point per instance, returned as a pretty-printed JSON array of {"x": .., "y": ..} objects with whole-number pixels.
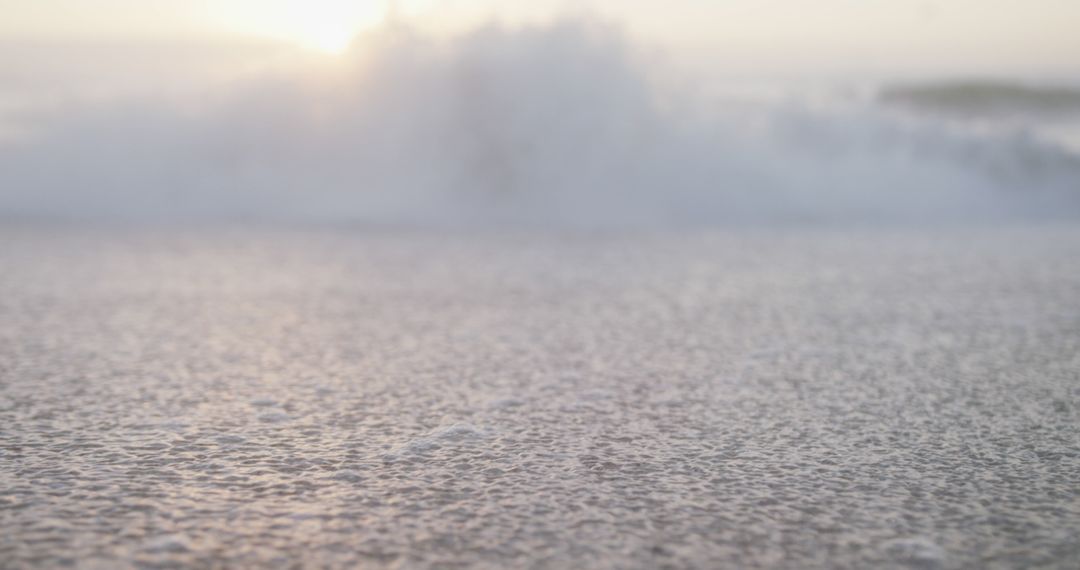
[{"x": 559, "y": 124}]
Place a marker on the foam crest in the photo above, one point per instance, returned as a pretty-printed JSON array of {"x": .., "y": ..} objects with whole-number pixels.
[{"x": 563, "y": 124}]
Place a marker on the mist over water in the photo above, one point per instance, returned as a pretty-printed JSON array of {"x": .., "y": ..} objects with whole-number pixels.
[{"x": 567, "y": 124}]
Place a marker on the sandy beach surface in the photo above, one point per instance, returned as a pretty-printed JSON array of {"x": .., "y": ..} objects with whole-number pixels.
[{"x": 285, "y": 398}]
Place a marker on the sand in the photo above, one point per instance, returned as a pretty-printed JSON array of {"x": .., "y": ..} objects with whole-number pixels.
[{"x": 799, "y": 398}]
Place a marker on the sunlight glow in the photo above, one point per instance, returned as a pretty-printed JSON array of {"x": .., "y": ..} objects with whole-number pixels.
[{"x": 324, "y": 25}]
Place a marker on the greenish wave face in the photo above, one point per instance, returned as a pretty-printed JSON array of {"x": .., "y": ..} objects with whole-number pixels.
[{"x": 986, "y": 98}]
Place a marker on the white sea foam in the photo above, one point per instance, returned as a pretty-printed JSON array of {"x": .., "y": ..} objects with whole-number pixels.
[
  {"x": 436, "y": 439},
  {"x": 506, "y": 403},
  {"x": 168, "y": 543},
  {"x": 558, "y": 124},
  {"x": 274, "y": 418},
  {"x": 917, "y": 552}
]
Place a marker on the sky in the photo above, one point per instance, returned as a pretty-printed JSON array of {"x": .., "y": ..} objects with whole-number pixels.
[
  {"x": 57, "y": 51},
  {"x": 780, "y": 36}
]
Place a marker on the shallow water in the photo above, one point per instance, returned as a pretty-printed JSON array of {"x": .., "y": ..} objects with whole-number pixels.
[{"x": 283, "y": 398}]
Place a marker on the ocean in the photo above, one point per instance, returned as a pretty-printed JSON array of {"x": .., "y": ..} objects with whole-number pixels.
[{"x": 567, "y": 125}]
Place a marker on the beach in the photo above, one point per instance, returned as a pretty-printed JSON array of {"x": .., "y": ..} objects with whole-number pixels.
[{"x": 286, "y": 397}]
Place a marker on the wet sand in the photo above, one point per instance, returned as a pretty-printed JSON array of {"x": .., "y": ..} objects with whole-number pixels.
[{"x": 403, "y": 399}]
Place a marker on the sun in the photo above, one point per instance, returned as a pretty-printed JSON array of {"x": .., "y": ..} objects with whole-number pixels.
[
  {"x": 327, "y": 26},
  {"x": 325, "y": 31}
]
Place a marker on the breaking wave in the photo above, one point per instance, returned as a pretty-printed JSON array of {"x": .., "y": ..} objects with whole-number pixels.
[
  {"x": 986, "y": 98},
  {"x": 564, "y": 124}
]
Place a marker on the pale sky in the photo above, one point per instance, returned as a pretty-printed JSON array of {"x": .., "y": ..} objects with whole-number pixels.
[{"x": 879, "y": 38}]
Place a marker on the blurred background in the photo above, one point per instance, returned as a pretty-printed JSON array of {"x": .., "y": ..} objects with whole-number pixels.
[{"x": 549, "y": 113}]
